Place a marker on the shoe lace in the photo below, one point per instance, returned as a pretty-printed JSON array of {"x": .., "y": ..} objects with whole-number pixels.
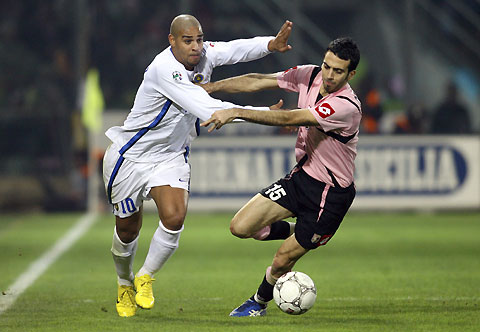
[
  {"x": 255, "y": 312},
  {"x": 127, "y": 296},
  {"x": 146, "y": 286},
  {"x": 251, "y": 306}
]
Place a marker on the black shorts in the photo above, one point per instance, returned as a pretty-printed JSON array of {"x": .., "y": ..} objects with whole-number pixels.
[{"x": 318, "y": 207}]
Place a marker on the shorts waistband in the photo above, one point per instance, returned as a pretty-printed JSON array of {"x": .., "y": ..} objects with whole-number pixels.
[{"x": 334, "y": 188}]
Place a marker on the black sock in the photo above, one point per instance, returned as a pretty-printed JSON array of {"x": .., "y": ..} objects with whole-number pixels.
[
  {"x": 280, "y": 230},
  {"x": 265, "y": 291}
]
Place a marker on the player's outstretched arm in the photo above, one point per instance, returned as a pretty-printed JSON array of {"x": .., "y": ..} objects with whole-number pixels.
[
  {"x": 245, "y": 83},
  {"x": 280, "y": 42},
  {"x": 297, "y": 117}
]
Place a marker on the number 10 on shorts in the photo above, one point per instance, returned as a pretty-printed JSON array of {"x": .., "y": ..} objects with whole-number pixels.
[
  {"x": 126, "y": 204},
  {"x": 275, "y": 192}
]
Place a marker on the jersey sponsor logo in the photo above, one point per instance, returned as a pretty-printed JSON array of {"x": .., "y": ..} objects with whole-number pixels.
[
  {"x": 198, "y": 78},
  {"x": 324, "y": 110},
  {"x": 211, "y": 44},
  {"x": 286, "y": 71},
  {"x": 177, "y": 76},
  {"x": 321, "y": 240}
]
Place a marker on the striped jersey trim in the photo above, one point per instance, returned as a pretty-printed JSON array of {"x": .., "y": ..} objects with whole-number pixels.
[
  {"x": 338, "y": 137},
  {"x": 112, "y": 178},
  {"x": 323, "y": 200},
  {"x": 313, "y": 75},
  {"x": 351, "y": 101},
  {"x": 197, "y": 127},
  {"x": 145, "y": 130},
  {"x": 131, "y": 142}
]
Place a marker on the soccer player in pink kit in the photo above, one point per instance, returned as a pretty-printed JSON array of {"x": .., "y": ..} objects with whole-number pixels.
[{"x": 320, "y": 188}]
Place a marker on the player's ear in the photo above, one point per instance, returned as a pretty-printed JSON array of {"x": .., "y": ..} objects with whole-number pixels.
[
  {"x": 171, "y": 40},
  {"x": 351, "y": 74}
]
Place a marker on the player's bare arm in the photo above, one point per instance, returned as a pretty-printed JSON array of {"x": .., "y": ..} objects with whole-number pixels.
[
  {"x": 297, "y": 117},
  {"x": 280, "y": 42},
  {"x": 255, "y": 82},
  {"x": 245, "y": 83}
]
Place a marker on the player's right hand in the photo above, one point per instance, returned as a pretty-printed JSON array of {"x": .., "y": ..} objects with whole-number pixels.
[
  {"x": 277, "y": 106},
  {"x": 280, "y": 42},
  {"x": 219, "y": 118}
]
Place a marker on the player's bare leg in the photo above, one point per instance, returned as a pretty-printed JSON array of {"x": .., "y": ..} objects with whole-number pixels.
[
  {"x": 258, "y": 213},
  {"x": 124, "y": 247},
  {"x": 256, "y": 216},
  {"x": 172, "y": 208},
  {"x": 286, "y": 256},
  {"x": 171, "y": 204},
  {"x": 128, "y": 228}
]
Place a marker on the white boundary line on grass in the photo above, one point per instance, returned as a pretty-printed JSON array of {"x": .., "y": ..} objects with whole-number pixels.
[
  {"x": 403, "y": 298},
  {"x": 38, "y": 267}
]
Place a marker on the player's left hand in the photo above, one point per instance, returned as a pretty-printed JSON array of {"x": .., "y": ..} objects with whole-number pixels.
[
  {"x": 209, "y": 87},
  {"x": 218, "y": 119},
  {"x": 280, "y": 42}
]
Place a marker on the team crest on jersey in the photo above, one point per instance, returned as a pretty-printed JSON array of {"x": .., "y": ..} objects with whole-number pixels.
[
  {"x": 321, "y": 240},
  {"x": 198, "y": 78},
  {"x": 177, "y": 76},
  {"x": 324, "y": 110}
]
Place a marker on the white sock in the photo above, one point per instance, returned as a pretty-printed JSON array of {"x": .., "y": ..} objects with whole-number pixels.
[
  {"x": 163, "y": 245},
  {"x": 123, "y": 255}
]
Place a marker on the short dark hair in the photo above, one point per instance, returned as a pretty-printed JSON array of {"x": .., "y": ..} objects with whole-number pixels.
[{"x": 346, "y": 49}]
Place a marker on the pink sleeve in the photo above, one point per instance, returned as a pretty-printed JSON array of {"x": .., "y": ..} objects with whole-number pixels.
[
  {"x": 292, "y": 78},
  {"x": 333, "y": 114}
]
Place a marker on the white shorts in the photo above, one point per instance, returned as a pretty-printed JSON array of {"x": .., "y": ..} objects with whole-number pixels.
[{"x": 128, "y": 183}]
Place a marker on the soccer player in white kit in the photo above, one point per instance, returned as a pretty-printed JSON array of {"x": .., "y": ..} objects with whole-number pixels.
[
  {"x": 148, "y": 157},
  {"x": 320, "y": 188}
]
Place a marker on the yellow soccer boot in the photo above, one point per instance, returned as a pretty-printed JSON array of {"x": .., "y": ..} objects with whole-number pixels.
[
  {"x": 126, "y": 306},
  {"x": 144, "y": 297}
]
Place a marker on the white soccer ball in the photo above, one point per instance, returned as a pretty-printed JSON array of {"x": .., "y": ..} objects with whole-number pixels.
[{"x": 294, "y": 293}]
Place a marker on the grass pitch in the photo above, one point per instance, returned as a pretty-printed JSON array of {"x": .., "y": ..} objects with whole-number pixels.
[{"x": 381, "y": 272}]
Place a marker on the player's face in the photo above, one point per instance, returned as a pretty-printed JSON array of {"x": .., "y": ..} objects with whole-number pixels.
[
  {"x": 187, "y": 46},
  {"x": 335, "y": 72}
]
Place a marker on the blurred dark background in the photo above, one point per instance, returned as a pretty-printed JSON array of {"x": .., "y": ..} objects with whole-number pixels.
[{"x": 419, "y": 72}]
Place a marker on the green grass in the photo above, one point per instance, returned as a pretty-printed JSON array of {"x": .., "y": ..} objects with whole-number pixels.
[{"x": 381, "y": 272}]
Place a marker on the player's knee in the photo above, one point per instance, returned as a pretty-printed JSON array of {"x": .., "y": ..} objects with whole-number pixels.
[
  {"x": 238, "y": 229},
  {"x": 127, "y": 235},
  {"x": 127, "y": 229},
  {"x": 173, "y": 221}
]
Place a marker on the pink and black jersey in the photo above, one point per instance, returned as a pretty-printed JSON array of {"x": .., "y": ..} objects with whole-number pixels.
[{"x": 331, "y": 146}]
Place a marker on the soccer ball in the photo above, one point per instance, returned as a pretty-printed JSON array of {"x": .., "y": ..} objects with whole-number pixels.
[{"x": 294, "y": 293}]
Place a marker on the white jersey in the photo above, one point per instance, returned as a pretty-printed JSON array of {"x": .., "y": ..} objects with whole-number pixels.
[{"x": 163, "y": 120}]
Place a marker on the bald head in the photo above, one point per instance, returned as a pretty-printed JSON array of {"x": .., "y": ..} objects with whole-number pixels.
[
  {"x": 186, "y": 40},
  {"x": 183, "y": 22}
]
